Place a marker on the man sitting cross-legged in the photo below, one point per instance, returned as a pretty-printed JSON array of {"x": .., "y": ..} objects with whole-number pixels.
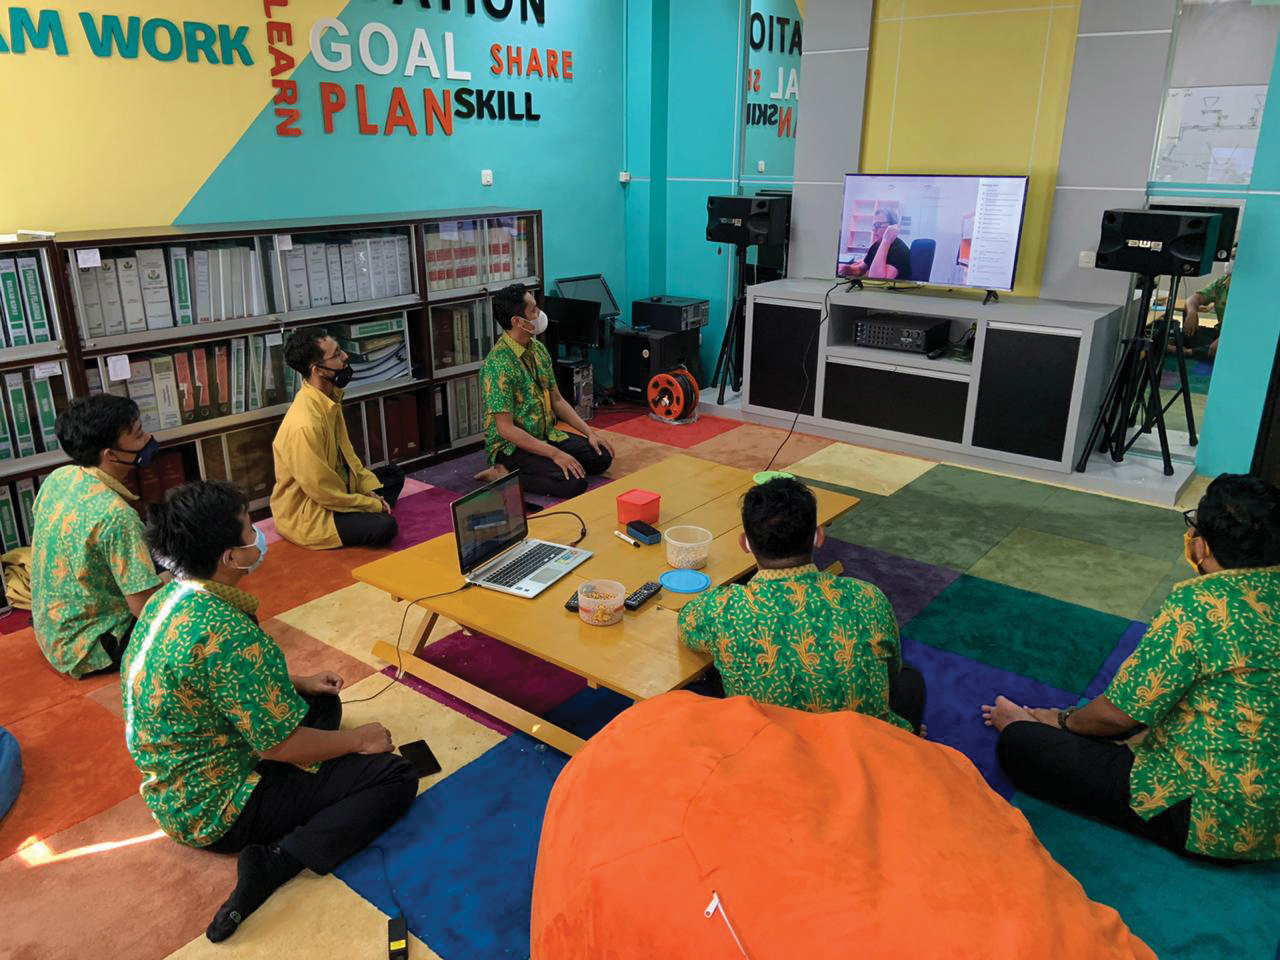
[
  {"x": 1205, "y": 680},
  {"x": 796, "y": 637},
  {"x": 236, "y": 754}
]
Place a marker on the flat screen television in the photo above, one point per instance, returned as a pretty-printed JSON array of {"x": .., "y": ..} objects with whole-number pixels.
[{"x": 953, "y": 231}]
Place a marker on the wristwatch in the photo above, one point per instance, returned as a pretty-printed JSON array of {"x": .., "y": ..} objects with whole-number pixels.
[{"x": 1063, "y": 715}]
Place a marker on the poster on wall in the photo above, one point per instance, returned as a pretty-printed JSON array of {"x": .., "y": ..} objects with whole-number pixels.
[
  {"x": 1210, "y": 134},
  {"x": 775, "y": 35}
]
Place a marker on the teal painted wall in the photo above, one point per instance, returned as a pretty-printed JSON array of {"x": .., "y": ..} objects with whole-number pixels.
[
  {"x": 764, "y": 142},
  {"x": 1238, "y": 389},
  {"x": 566, "y": 163}
]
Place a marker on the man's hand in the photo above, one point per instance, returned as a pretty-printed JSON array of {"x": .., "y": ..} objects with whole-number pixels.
[
  {"x": 568, "y": 464},
  {"x": 890, "y": 234},
  {"x": 598, "y": 443},
  {"x": 386, "y": 507},
  {"x": 326, "y": 681},
  {"x": 373, "y": 738}
]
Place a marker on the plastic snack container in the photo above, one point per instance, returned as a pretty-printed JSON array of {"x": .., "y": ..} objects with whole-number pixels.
[
  {"x": 600, "y": 602},
  {"x": 687, "y": 547}
]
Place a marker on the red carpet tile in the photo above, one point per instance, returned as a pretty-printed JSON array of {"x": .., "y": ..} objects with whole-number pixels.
[
  {"x": 74, "y": 766},
  {"x": 751, "y": 446},
  {"x": 306, "y": 655},
  {"x": 15, "y": 620},
  {"x": 291, "y": 575},
  {"x": 31, "y": 685},
  {"x": 141, "y": 900},
  {"x": 609, "y": 417},
  {"x": 684, "y": 436},
  {"x": 632, "y": 453}
]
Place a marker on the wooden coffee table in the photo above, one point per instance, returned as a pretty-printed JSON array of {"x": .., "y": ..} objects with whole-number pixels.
[{"x": 640, "y": 657}]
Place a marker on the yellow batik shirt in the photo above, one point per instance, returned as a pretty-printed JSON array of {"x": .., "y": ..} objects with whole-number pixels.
[
  {"x": 799, "y": 638},
  {"x": 87, "y": 555},
  {"x": 1206, "y": 679},
  {"x": 519, "y": 381},
  {"x": 206, "y": 693}
]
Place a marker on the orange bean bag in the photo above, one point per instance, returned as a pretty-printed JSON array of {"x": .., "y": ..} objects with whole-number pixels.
[{"x": 693, "y": 827}]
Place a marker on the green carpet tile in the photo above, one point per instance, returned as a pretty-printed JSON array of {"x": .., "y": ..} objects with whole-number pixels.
[
  {"x": 1134, "y": 527},
  {"x": 1061, "y": 644},
  {"x": 1087, "y": 574}
]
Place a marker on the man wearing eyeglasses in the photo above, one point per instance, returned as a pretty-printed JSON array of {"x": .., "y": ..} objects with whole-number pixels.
[
  {"x": 1204, "y": 682},
  {"x": 888, "y": 257}
]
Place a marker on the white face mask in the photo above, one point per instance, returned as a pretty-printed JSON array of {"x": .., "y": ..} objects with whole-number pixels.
[{"x": 539, "y": 325}]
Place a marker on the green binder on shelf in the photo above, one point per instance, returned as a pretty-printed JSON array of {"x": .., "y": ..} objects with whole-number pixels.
[
  {"x": 8, "y": 522},
  {"x": 11, "y": 291},
  {"x": 33, "y": 299},
  {"x": 16, "y": 390},
  {"x": 46, "y": 412}
]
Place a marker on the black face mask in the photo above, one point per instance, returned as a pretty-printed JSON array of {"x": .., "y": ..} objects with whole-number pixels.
[
  {"x": 143, "y": 457},
  {"x": 340, "y": 377}
]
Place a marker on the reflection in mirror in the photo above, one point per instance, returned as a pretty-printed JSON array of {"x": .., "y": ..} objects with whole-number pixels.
[{"x": 774, "y": 36}]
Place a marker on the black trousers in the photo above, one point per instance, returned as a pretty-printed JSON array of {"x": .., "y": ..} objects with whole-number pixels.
[
  {"x": 906, "y": 692},
  {"x": 541, "y": 475},
  {"x": 114, "y": 647},
  {"x": 373, "y": 529},
  {"x": 322, "y": 818},
  {"x": 1087, "y": 775}
]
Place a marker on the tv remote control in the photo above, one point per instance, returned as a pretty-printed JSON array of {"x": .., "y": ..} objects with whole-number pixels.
[
  {"x": 572, "y": 603},
  {"x": 637, "y": 599}
]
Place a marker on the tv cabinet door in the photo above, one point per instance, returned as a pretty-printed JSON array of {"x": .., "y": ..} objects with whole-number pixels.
[
  {"x": 930, "y": 405},
  {"x": 779, "y": 336},
  {"x": 858, "y": 393},
  {"x": 1024, "y": 390}
]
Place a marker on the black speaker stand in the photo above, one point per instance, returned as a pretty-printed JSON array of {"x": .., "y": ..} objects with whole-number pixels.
[
  {"x": 1166, "y": 332},
  {"x": 729, "y": 363},
  {"x": 991, "y": 297},
  {"x": 1135, "y": 384}
]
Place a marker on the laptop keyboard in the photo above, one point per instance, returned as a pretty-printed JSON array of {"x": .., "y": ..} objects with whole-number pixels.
[{"x": 512, "y": 573}]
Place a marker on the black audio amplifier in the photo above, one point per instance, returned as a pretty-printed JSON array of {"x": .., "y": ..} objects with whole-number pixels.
[{"x": 898, "y": 332}]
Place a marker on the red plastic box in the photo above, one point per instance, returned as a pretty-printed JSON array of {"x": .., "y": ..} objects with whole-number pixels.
[{"x": 638, "y": 505}]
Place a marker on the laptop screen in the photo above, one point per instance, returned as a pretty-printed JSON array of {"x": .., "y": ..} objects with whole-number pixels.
[{"x": 488, "y": 521}]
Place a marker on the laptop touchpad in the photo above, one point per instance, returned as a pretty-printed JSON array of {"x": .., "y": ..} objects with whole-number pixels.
[{"x": 546, "y": 575}]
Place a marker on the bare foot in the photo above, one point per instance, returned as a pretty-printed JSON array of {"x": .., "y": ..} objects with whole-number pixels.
[
  {"x": 1003, "y": 713},
  {"x": 490, "y": 474}
]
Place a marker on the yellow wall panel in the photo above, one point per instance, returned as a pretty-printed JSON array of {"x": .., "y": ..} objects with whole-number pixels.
[
  {"x": 973, "y": 86},
  {"x": 121, "y": 142}
]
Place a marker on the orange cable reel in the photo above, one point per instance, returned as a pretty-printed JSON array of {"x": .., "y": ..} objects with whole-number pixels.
[{"x": 673, "y": 396}]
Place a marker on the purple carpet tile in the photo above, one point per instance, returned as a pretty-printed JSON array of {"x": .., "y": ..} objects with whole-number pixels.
[
  {"x": 1170, "y": 380},
  {"x": 457, "y": 475},
  {"x": 909, "y": 584},
  {"x": 1202, "y": 367},
  {"x": 517, "y": 677},
  {"x": 1127, "y": 644},
  {"x": 422, "y": 517},
  {"x": 955, "y": 690}
]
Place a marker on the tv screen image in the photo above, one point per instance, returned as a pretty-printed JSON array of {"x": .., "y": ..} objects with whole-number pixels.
[{"x": 952, "y": 231}]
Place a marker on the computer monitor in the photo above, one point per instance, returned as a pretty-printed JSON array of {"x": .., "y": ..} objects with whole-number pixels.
[
  {"x": 591, "y": 287},
  {"x": 488, "y": 521},
  {"x": 955, "y": 231},
  {"x": 1226, "y": 231},
  {"x": 577, "y": 321}
]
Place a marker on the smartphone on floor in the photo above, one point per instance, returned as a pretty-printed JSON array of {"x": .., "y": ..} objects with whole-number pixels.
[{"x": 420, "y": 755}]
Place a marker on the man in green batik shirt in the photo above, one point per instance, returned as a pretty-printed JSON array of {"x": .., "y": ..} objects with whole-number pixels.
[
  {"x": 91, "y": 573},
  {"x": 237, "y": 756},
  {"x": 522, "y": 406},
  {"x": 1204, "y": 343},
  {"x": 1204, "y": 681},
  {"x": 796, "y": 637}
]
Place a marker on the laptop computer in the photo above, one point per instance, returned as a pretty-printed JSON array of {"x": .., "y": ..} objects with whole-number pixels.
[{"x": 494, "y": 550}]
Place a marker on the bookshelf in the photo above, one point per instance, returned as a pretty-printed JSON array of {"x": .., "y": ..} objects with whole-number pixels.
[{"x": 190, "y": 322}]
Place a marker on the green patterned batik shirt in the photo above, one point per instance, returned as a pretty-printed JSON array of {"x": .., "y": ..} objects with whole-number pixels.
[
  {"x": 519, "y": 381},
  {"x": 87, "y": 555},
  {"x": 206, "y": 693},
  {"x": 1206, "y": 679},
  {"x": 1217, "y": 293},
  {"x": 800, "y": 638}
]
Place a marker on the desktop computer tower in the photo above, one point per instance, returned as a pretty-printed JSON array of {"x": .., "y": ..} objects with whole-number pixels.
[
  {"x": 577, "y": 385},
  {"x": 639, "y": 355}
]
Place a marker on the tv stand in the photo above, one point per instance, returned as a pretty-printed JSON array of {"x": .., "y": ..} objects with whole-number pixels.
[
  {"x": 1027, "y": 394},
  {"x": 990, "y": 297}
]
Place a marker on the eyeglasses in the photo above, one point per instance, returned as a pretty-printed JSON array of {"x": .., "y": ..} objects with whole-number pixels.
[{"x": 1190, "y": 517}]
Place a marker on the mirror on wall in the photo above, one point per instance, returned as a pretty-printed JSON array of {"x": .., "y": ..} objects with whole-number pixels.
[
  {"x": 771, "y": 104},
  {"x": 1219, "y": 69}
]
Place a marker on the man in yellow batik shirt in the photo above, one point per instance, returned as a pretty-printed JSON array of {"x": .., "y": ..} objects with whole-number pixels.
[
  {"x": 91, "y": 573},
  {"x": 1204, "y": 681},
  {"x": 324, "y": 496}
]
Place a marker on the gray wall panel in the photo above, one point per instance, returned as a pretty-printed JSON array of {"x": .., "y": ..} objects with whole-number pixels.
[
  {"x": 815, "y": 230},
  {"x": 1077, "y": 221},
  {"x": 837, "y": 24},
  {"x": 1117, "y": 86},
  {"x": 831, "y": 86},
  {"x": 1100, "y": 15}
]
